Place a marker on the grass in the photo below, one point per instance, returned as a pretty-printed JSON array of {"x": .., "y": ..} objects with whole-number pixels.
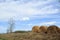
[
  {"x": 2, "y": 39},
  {"x": 29, "y": 36}
]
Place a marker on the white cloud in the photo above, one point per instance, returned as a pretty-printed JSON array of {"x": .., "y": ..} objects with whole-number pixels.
[
  {"x": 18, "y": 10},
  {"x": 25, "y": 19},
  {"x": 49, "y": 23}
]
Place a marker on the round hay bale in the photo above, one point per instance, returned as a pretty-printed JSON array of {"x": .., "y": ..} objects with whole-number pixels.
[
  {"x": 52, "y": 29},
  {"x": 35, "y": 29},
  {"x": 43, "y": 29},
  {"x": 58, "y": 30}
]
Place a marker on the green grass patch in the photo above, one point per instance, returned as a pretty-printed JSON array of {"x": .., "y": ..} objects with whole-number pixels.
[{"x": 2, "y": 39}]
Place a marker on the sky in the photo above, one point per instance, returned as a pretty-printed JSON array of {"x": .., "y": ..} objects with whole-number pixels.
[{"x": 28, "y": 13}]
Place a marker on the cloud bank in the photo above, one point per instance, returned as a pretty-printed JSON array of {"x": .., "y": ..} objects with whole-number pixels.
[{"x": 31, "y": 8}]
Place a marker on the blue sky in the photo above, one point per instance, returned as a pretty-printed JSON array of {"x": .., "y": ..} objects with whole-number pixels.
[{"x": 28, "y": 13}]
